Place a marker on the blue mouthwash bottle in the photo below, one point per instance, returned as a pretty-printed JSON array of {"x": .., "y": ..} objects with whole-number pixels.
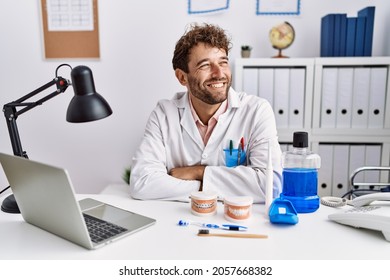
[{"x": 300, "y": 175}]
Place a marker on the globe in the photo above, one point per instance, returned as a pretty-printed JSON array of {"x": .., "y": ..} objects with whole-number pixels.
[{"x": 281, "y": 37}]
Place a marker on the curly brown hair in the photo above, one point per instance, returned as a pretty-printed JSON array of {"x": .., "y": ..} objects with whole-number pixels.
[{"x": 209, "y": 34}]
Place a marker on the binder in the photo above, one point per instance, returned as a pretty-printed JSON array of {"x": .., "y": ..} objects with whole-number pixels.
[
  {"x": 369, "y": 14},
  {"x": 351, "y": 37},
  {"x": 266, "y": 84},
  {"x": 339, "y": 28},
  {"x": 373, "y": 158},
  {"x": 360, "y": 35},
  {"x": 297, "y": 97},
  {"x": 281, "y": 96},
  {"x": 376, "y": 112},
  {"x": 340, "y": 180},
  {"x": 249, "y": 83},
  {"x": 325, "y": 151},
  {"x": 343, "y": 35},
  {"x": 360, "y": 97},
  {"x": 357, "y": 159},
  {"x": 327, "y": 35},
  {"x": 344, "y": 97},
  {"x": 329, "y": 97}
]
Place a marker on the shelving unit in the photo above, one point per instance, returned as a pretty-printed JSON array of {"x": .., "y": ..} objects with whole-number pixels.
[
  {"x": 247, "y": 77},
  {"x": 345, "y": 108}
]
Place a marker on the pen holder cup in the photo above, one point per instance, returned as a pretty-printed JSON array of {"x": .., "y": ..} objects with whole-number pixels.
[{"x": 234, "y": 157}]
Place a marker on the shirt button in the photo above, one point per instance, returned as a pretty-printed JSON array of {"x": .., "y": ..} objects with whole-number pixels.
[{"x": 204, "y": 155}]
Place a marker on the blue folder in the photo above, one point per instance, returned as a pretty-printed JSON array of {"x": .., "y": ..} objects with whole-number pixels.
[
  {"x": 351, "y": 35},
  {"x": 360, "y": 35},
  {"x": 369, "y": 14},
  {"x": 327, "y": 35}
]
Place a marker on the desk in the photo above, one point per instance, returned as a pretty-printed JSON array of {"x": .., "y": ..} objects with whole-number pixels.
[{"x": 314, "y": 237}]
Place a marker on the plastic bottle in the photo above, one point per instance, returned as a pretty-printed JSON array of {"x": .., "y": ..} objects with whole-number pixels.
[{"x": 300, "y": 175}]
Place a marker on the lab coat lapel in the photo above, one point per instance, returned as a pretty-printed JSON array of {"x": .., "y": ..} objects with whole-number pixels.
[
  {"x": 224, "y": 120},
  {"x": 187, "y": 121}
]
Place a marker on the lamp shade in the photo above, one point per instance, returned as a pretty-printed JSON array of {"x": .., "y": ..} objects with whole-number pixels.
[{"x": 86, "y": 105}]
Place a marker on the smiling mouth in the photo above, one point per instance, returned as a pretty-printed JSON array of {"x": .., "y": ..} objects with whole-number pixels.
[{"x": 217, "y": 85}]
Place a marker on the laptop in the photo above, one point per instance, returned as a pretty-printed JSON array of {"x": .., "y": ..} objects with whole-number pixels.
[{"x": 46, "y": 199}]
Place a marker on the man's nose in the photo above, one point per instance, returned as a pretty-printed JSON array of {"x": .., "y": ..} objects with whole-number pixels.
[{"x": 216, "y": 71}]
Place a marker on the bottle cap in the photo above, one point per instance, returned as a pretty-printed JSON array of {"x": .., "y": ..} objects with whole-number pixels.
[{"x": 300, "y": 139}]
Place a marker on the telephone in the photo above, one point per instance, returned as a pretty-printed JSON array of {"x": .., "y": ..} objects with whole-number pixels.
[{"x": 370, "y": 211}]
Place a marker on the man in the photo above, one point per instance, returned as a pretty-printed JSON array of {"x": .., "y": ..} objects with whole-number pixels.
[{"x": 210, "y": 137}]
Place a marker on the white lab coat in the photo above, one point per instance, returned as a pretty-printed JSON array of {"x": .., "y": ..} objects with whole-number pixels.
[{"x": 171, "y": 139}]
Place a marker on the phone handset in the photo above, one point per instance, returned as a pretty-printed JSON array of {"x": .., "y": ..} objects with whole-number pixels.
[{"x": 368, "y": 198}]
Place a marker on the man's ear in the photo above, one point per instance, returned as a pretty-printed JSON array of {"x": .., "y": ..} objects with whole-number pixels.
[{"x": 181, "y": 76}]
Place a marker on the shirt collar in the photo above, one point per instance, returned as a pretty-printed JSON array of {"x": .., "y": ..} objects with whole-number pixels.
[{"x": 222, "y": 109}]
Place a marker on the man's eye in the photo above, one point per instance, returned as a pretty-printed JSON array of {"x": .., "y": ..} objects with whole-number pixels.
[{"x": 204, "y": 66}]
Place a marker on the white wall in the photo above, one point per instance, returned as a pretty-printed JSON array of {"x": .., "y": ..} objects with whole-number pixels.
[{"x": 136, "y": 40}]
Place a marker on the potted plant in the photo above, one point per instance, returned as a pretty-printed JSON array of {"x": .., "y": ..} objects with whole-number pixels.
[
  {"x": 246, "y": 51},
  {"x": 126, "y": 175}
]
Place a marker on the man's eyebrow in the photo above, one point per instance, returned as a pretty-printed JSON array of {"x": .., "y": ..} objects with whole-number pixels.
[
  {"x": 202, "y": 61},
  {"x": 206, "y": 59}
]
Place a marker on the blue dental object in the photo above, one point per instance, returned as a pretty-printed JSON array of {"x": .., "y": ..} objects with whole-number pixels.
[
  {"x": 282, "y": 211},
  {"x": 206, "y": 225}
]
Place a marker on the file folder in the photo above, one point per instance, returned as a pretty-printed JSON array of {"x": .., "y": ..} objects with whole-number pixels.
[
  {"x": 325, "y": 172},
  {"x": 339, "y": 30},
  {"x": 344, "y": 97},
  {"x": 327, "y": 35},
  {"x": 343, "y": 35},
  {"x": 376, "y": 111},
  {"x": 329, "y": 97},
  {"x": 369, "y": 14},
  {"x": 357, "y": 159},
  {"x": 297, "y": 97},
  {"x": 249, "y": 78},
  {"x": 373, "y": 158},
  {"x": 266, "y": 84},
  {"x": 340, "y": 170},
  {"x": 360, "y": 97},
  {"x": 281, "y": 96},
  {"x": 351, "y": 36},
  {"x": 360, "y": 35}
]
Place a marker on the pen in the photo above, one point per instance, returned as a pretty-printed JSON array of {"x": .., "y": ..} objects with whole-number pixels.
[
  {"x": 239, "y": 155},
  {"x": 231, "y": 147},
  {"x": 242, "y": 143}
]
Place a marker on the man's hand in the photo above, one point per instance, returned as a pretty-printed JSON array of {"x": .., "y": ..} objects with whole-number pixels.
[{"x": 188, "y": 173}]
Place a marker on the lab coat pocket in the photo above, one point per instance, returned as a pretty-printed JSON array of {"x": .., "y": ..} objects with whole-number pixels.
[{"x": 234, "y": 157}]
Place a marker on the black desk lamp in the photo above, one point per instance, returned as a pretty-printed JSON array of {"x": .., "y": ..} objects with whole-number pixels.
[{"x": 86, "y": 105}]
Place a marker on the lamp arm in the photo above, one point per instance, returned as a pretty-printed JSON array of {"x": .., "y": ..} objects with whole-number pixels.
[{"x": 11, "y": 113}]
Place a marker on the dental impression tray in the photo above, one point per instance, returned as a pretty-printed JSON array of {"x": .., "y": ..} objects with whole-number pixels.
[{"x": 282, "y": 211}]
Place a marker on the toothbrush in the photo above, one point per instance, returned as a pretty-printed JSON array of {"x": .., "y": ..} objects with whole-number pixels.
[
  {"x": 205, "y": 225},
  {"x": 269, "y": 181},
  {"x": 206, "y": 232}
]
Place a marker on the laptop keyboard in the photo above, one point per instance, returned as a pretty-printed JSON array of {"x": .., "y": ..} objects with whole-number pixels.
[{"x": 100, "y": 230}]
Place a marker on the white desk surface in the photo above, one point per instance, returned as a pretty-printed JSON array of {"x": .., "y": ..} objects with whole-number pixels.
[{"x": 314, "y": 237}]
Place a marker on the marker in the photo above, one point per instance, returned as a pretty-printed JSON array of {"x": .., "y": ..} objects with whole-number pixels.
[
  {"x": 242, "y": 143},
  {"x": 231, "y": 147}
]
